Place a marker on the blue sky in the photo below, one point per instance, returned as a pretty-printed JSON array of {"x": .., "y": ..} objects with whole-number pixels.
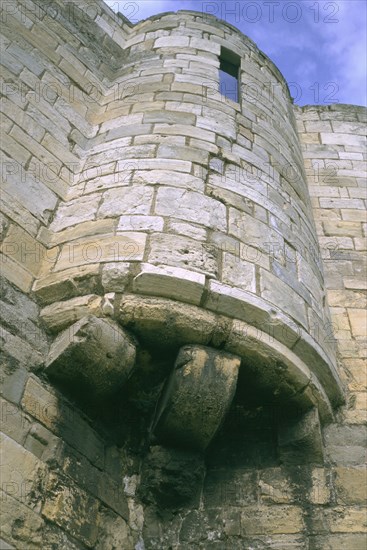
[{"x": 319, "y": 45}]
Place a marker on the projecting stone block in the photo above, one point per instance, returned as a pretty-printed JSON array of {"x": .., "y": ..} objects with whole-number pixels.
[
  {"x": 93, "y": 355},
  {"x": 300, "y": 440},
  {"x": 197, "y": 397},
  {"x": 171, "y": 282}
]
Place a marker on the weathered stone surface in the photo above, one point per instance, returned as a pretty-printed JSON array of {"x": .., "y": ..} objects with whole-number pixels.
[
  {"x": 301, "y": 440},
  {"x": 140, "y": 223},
  {"x": 20, "y": 526},
  {"x": 170, "y": 282},
  {"x": 94, "y": 354},
  {"x": 114, "y": 532},
  {"x": 62, "y": 314},
  {"x": 237, "y": 272},
  {"x": 171, "y": 477},
  {"x": 70, "y": 282},
  {"x": 168, "y": 324},
  {"x": 197, "y": 397},
  {"x": 183, "y": 252},
  {"x": 320, "y": 492},
  {"x": 71, "y": 508},
  {"x": 22, "y": 474},
  {"x": 126, "y": 200},
  {"x": 115, "y": 276},
  {"x": 268, "y": 520},
  {"x": 350, "y": 485},
  {"x": 75, "y": 212},
  {"x": 21, "y": 248},
  {"x": 48, "y": 407},
  {"x": 96, "y": 108},
  {"x": 169, "y": 177},
  {"x": 123, "y": 247},
  {"x": 185, "y": 205}
]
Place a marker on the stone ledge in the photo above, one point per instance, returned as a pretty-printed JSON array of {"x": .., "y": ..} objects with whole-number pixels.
[
  {"x": 247, "y": 306},
  {"x": 170, "y": 282},
  {"x": 183, "y": 324}
]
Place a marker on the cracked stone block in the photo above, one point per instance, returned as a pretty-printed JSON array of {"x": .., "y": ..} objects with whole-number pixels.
[
  {"x": 93, "y": 355},
  {"x": 300, "y": 439},
  {"x": 196, "y": 397}
]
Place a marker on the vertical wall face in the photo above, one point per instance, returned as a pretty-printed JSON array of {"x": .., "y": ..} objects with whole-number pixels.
[
  {"x": 126, "y": 172},
  {"x": 334, "y": 148},
  {"x": 60, "y": 481}
]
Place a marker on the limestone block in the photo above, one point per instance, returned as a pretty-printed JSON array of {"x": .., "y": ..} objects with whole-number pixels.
[
  {"x": 238, "y": 272},
  {"x": 128, "y": 200},
  {"x": 75, "y": 212},
  {"x": 129, "y": 131},
  {"x": 218, "y": 125},
  {"x": 83, "y": 229},
  {"x": 18, "y": 521},
  {"x": 300, "y": 439},
  {"x": 238, "y": 303},
  {"x": 184, "y": 130},
  {"x": 169, "y": 177},
  {"x": 20, "y": 473},
  {"x": 128, "y": 246},
  {"x": 183, "y": 153},
  {"x": 23, "y": 249},
  {"x": 205, "y": 45},
  {"x": 72, "y": 509},
  {"x": 191, "y": 207},
  {"x": 68, "y": 283},
  {"x": 155, "y": 164},
  {"x": 343, "y": 139},
  {"x": 170, "y": 282},
  {"x": 196, "y": 397},
  {"x": 282, "y": 296},
  {"x": 183, "y": 252},
  {"x": 62, "y": 314},
  {"x": 167, "y": 324},
  {"x": 188, "y": 229},
  {"x": 169, "y": 117},
  {"x": 266, "y": 520},
  {"x": 358, "y": 321},
  {"x": 114, "y": 532},
  {"x": 115, "y": 276},
  {"x": 171, "y": 42},
  {"x": 94, "y": 354},
  {"x": 350, "y": 485},
  {"x": 352, "y": 520},
  {"x": 140, "y": 223},
  {"x": 275, "y": 487},
  {"x": 15, "y": 273}
]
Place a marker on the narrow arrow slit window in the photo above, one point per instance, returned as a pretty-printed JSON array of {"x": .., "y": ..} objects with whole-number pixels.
[{"x": 229, "y": 71}]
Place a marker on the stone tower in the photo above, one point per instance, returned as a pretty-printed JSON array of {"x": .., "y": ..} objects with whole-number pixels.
[{"x": 182, "y": 292}]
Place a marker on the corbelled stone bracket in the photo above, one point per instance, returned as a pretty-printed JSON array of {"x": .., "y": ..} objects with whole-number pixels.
[
  {"x": 196, "y": 397},
  {"x": 300, "y": 439},
  {"x": 93, "y": 355}
]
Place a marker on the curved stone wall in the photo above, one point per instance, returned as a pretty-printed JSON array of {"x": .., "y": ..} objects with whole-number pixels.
[
  {"x": 188, "y": 195},
  {"x": 151, "y": 362}
]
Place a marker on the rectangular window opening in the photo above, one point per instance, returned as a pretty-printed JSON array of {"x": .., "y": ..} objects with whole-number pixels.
[{"x": 229, "y": 75}]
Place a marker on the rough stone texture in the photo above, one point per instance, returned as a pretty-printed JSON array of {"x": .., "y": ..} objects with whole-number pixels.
[
  {"x": 93, "y": 355},
  {"x": 300, "y": 440},
  {"x": 119, "y": 152},
  {"x": 197, "y": 397},
  {"x": 171, "y": 477},
  {"x": 171, "y": 282}
]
